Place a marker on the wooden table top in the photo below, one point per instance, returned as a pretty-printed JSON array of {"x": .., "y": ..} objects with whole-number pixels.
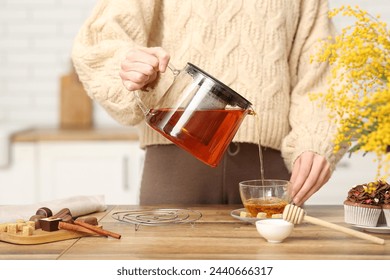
[{"x": 216, "y": 235}]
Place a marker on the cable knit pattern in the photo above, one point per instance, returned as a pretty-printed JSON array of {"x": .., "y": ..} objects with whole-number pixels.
[{"x": 260, "y": 48}]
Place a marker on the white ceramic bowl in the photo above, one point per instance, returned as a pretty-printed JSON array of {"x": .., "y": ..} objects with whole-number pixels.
[{"x": 274, "y": 230}]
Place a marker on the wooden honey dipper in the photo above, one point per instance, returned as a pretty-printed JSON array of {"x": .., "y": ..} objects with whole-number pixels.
[{"x": 296, "y": 215}]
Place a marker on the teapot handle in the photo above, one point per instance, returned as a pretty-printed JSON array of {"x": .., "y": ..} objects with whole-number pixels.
[
  {"x": 174, "y": 70},
  {"x": 145, "y": 110}
]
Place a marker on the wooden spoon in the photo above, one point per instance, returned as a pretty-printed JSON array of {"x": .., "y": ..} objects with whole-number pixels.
[{"x": 296, "y": 215}]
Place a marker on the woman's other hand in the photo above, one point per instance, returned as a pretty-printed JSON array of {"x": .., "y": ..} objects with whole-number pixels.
[
  {"x": 141, "y": 66},
  {"x": 310, "y": 172}
]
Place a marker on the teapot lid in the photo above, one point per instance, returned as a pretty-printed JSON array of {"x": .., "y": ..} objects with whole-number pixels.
[{"x": 221, "y": 90}]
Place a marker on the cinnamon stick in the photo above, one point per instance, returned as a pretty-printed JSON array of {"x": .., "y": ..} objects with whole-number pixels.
[
  {"x": 97, "y": 229},
  {"x": 68, "y": 226}
]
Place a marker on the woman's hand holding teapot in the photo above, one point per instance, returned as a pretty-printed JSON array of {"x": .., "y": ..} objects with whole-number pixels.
[{"x": 141, "y": 66}]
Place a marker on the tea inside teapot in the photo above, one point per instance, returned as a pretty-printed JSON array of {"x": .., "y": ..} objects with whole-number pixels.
[{"x": 199, "y": 114}]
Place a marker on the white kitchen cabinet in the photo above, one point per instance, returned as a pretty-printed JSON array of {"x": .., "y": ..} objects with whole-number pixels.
[
  {"x": 350, "y": 171},
  {"x": 18, "y": 179},
  {"x": 46, "y": 170},
  {"x": 70, "y": 168}
]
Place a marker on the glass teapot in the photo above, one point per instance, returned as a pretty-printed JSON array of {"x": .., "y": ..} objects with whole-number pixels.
[{"x": 198, "y": 113}]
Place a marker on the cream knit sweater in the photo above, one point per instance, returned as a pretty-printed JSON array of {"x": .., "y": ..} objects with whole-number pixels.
[{"x": 260, "y": 48}]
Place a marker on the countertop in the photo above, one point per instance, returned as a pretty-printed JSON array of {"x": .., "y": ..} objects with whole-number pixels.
[
  {"x": 216, "y": 235},
  {"x": 90, "y": 134}
]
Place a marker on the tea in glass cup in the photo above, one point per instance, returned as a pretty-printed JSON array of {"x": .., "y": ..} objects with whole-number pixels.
[{"x": 264, "y": 196}]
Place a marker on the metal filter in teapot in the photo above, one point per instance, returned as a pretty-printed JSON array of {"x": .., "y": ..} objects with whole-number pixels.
[{"x": 198, "y": 113}]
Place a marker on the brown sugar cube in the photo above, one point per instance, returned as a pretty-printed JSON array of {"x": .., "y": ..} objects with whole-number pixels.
[
  {"x": 31, "y": 224},
  {"x": 261, "y": 215},
  {"x": 244, "y": 214},
  {"x": 20, "y": 226},
  {"x": 12, "y": 228},
  {"x": 20, "y": 221},
  {"x": 3, "y": 227},
  {"x": 27, "y": 230}
]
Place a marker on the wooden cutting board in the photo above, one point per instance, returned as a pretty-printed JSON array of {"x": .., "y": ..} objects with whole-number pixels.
[
  {"x": 39, "y": 236},
  {"x": 75, "y": 105}
]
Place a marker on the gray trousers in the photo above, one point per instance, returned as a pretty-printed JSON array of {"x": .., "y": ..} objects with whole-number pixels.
[{"x": 173, "y": 176}]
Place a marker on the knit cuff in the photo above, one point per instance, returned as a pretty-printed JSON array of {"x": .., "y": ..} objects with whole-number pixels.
[{"x": 300, "y": 141}]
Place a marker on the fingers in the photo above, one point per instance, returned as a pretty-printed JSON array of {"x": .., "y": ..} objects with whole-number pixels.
[
  {"x": 299, "y": 175},
  {"x": 162, "y": 56},
  {"x": 141, "y": 66},
  {"x": 136, "y": 79},
  {"x": 310, "y": 173}
]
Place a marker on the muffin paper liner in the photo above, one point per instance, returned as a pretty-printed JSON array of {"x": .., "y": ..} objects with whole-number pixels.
[
  {"x": 361, "y": 216},
  {"x": 381, "y": 220},
  {"x": 387, "y": 216}
]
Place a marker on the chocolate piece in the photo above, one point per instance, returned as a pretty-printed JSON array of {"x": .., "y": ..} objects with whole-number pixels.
[
  {"x": 44, "y": 211},
  {"x": 63, "y": 212},
  {"x": 89, "y": 220},
  {"x": 49, "y": 224},
  {"x": 65, "y": 215},
  {"x": 67, "y": 219}
]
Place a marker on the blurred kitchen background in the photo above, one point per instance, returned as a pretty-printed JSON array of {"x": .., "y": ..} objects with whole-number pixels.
[{"x": 56, "y": 143}]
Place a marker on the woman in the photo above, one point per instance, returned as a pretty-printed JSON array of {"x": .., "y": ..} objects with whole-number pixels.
[{"x": 261, "y": 49}]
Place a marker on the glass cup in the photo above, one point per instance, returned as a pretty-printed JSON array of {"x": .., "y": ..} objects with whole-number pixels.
[{"x": 267, "y": 197}]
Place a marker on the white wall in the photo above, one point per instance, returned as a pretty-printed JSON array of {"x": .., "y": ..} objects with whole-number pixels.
[{"x": 35, "y": 43}]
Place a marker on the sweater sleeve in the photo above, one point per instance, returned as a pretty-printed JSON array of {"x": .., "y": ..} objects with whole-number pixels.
[
  {"x": 100, "y": 46},
  {"x": 311, "y": 128}
]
